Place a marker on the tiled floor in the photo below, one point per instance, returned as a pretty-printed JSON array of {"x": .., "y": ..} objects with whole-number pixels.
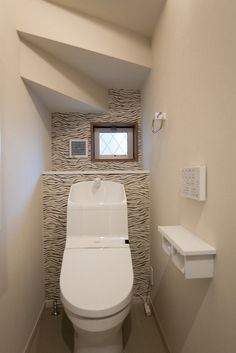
[{"x": 55, "y": 334}]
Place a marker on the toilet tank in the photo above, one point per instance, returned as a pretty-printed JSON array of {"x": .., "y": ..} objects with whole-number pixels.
[{"x": 97, "y": 208}]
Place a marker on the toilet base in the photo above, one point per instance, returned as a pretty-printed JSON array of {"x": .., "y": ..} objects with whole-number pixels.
[
  {"x": 99, "y": 342},
  {"x": 98, "y": 335}
]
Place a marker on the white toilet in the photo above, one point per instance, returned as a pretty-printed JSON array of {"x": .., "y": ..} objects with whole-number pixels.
[{"x": 96, "y": 279}]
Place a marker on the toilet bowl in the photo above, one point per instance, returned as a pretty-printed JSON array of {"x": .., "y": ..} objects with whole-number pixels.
[{"x": 96, "y": 280}]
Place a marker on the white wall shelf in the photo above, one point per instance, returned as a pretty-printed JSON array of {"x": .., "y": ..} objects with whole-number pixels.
[
  {"x": 92, "y": 172},
  {"x": 190, "y": 254}
]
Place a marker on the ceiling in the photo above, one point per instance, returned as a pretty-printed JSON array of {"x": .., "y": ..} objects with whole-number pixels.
[{"x": 139, "y": 16}]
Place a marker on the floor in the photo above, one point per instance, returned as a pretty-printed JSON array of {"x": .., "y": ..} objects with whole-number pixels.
[{"x": 55, "y": 334}]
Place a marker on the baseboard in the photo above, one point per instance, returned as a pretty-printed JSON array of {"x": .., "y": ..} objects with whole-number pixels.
[
  {"x": 34, "y": 331},
  {"x": 158, "y": 323},
  {"x": 137, "y": 300},
  {"x": 49, "y": 303}
]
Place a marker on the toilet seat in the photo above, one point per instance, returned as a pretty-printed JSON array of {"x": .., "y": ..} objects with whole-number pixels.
[{"x": 96, "y": 282}]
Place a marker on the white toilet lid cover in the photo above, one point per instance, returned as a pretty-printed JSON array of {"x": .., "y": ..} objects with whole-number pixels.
[{"x": 96, "y": 283}]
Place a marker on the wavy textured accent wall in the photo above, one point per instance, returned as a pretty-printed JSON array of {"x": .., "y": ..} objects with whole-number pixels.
[
  {"x": 55, "y": 194},
  {"x": 124, "y": 107}
]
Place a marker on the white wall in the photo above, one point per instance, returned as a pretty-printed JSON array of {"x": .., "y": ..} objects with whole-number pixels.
[
  {"x": 25, "y": 128},
  {"x": 194, "y": 81}
]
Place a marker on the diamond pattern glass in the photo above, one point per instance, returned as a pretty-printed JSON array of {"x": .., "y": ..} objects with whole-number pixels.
[{"x": 113, "y": 143}]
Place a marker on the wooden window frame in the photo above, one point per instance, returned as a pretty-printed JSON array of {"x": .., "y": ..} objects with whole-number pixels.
[{"x": 134, "y": 126}]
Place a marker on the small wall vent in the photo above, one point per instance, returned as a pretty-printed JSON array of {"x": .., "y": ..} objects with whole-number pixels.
[{"x": 78, "y": 148}]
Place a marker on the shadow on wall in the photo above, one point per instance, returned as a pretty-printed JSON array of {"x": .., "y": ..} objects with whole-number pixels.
[
  {"x": 177, "y": 303},
  {"x": 191, "y": 213},
  {"x": 3, "y": 242},
  {"x": 43, "y": 112},
  {"x": 3, "y": 197},
  {"x": 41, "y": 109},
  {"x": 3, "y": 263},
  {"x": 3, "y": 236},
  {"x": 67, "y": 332}
]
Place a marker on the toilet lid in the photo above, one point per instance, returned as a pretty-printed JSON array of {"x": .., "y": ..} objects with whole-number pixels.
[{"x": 96, "y": 282}]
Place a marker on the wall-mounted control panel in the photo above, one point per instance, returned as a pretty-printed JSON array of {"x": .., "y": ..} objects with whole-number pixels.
[{"x": 193, "y": 182}]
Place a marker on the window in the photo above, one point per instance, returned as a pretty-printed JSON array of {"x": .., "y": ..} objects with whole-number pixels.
[{"x": 114, "y": 142}]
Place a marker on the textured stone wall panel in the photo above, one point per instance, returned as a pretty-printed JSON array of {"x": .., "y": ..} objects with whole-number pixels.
[{"x": 124, "y": 107}]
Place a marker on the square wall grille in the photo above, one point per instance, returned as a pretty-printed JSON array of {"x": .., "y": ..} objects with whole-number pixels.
[{"x": 79, "y": 148}]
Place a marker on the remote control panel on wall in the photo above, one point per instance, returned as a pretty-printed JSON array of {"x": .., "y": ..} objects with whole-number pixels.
[{"x": 193, "y": 183}]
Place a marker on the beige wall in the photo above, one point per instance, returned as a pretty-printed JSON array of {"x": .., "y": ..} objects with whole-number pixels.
[
  {"x": 26, "y": 147},
  {"x": 194, "y": 81}
]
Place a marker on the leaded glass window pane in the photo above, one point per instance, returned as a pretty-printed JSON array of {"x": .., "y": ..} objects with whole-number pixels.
[{"x": 113, "y": 143}]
